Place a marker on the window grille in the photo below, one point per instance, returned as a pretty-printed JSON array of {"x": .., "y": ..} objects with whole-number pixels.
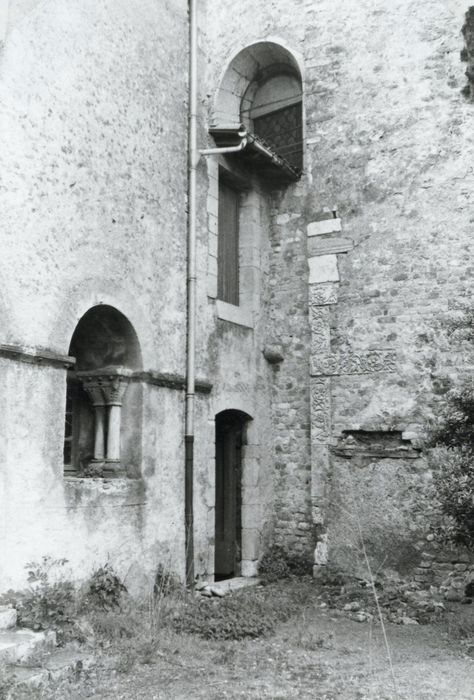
[{"x": 282, "y": 130}]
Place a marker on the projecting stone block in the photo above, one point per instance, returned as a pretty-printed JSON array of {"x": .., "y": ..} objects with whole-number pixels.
[
  {"x": 329, "y": 246},
  {"x": 319, "y": 228},
  {"x": 323, "y": 268}
]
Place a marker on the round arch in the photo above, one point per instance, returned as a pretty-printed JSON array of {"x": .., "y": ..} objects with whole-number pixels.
[
  {"x": 248, "y": 67},
  {"x": 105, "y": 337}
]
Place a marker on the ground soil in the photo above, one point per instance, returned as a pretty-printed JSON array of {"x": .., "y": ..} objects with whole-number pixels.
[{"x": 319, "y": 654}]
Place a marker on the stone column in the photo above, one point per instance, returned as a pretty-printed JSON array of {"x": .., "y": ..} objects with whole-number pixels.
[
  {"x": 106, "y": 388},
  {"x": 114, "y": 387},
  {"x": 93, "y": 388}
]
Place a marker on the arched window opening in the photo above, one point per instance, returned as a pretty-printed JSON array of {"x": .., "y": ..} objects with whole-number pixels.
[
  {"x": 102, "y": 435},
  {"x": 262, "y": 91}
]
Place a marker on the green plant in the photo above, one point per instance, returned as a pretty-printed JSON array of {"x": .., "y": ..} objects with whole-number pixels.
[
  {"x": 104, "y": 589},
  {"x": 244, "y": 614},
  {"x": 278, "y": 563},
  {"x": 453, "y": 476},
  {"x": 273, "y": 564},
  {"x": 49, "y": 600}
]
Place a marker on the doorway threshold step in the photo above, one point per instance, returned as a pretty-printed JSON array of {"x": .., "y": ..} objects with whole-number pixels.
[{"x": 234, "y": 584}]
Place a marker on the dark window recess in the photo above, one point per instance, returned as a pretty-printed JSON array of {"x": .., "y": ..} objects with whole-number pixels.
[
  {"x": 228, "y": 245},
  {"x": 282, "y": 130},
  {"x": 68, "y": 431}
]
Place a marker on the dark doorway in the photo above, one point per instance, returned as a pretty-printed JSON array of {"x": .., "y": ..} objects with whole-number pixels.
[{"x": 230, "y": 428}]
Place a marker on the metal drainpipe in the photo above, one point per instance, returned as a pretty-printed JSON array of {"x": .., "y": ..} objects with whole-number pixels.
[{"x": 193, "y": 159}]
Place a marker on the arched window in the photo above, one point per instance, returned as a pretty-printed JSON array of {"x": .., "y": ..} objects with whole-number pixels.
[
  {"x": 262, "y": 90},
  {"x": 102, "y": 434}
]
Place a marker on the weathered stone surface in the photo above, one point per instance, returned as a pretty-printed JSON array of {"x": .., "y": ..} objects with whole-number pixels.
[
  {"x": 8, "y": 617},
  {"x": 318, "y": 228},
  {"x": 323, "y": 268}
]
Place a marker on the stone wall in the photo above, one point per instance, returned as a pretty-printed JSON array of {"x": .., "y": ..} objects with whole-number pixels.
[
  {"x": 370, "y": 253},
  {"x": 388, "y": 142},
  {"x": 347, "y": 275},
  {"x": 93, "y": 188}
]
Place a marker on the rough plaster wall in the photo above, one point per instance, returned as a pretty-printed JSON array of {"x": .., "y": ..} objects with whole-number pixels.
[
  {"x": 398, "y": 167},
  {"x": 92, "y": 97},
  {"x": 93, "y": 187}
]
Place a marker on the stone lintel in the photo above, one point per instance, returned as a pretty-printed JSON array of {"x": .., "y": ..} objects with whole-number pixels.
[
  {"x": 323, "y": 268},
  {"x": 319, "y": 228}
]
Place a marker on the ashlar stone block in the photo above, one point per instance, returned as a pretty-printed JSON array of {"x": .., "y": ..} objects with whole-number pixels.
[{"x": 323, "y": 268}]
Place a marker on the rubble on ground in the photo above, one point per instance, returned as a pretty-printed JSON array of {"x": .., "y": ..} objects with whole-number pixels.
[{"x": 400, "y": 602}]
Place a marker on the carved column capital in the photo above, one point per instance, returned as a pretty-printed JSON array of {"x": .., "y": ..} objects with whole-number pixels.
[
  {"x": 93, "y": 388},
  {"x": 106, "y": 386}
]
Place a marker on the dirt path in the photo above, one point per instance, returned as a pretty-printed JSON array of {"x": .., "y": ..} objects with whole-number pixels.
[{"x": 320, "y": 655}]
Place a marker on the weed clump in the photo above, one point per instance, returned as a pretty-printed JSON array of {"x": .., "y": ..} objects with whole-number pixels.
[
  {"x": 246, "y": 614},
  {"x": 49, "y": 600},
  {"x": 277, "y": 563},
  {"x": 104, "y": 589}
]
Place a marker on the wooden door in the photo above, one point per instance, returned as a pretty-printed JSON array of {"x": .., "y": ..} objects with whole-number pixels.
[{"x": 228, "y": 536}]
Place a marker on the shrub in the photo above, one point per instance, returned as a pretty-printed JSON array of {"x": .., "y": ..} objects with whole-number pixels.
[
  {"x": 49, "y": 600},
  {"x": 277, "y": 563},
  {"x": 452, "y": 458},
  {"x": 249, "y": 613},
  {"x": 453, "y": 469},
  {"x": 104, "y": 589}
]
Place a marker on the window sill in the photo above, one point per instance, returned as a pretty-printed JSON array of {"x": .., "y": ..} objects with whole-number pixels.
[
  {"x": 86, "y": 489},
  {"x": 234, "y": 314}
]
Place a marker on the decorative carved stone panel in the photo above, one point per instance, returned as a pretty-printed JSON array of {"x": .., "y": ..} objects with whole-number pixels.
[
  {"x": 320, "y": 331},
  {"x": 320, "y": 408},
  {"x": 323, "y": 294},
  {"x": 353, "y": 363}
]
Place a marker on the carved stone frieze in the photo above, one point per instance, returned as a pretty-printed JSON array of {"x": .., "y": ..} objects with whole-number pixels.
[{"x": 368, "y": 362}]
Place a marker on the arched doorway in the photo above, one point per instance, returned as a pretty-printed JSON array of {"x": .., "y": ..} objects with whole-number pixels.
[{"x": 230, "y": 438}]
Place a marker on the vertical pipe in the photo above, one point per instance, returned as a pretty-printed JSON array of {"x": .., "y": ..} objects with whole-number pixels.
[{"x": 193, "y": 159}]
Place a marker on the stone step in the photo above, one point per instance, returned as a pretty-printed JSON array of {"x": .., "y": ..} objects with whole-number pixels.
[
  {"x": 8, "y": 617},
  {"x": 56, "y": 665},
  {"x": 20, "y": 645},
  {"x": 233, "y": 584}
]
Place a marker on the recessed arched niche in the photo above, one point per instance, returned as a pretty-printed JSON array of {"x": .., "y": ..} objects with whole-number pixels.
[{"x": 103, "y": 421}]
